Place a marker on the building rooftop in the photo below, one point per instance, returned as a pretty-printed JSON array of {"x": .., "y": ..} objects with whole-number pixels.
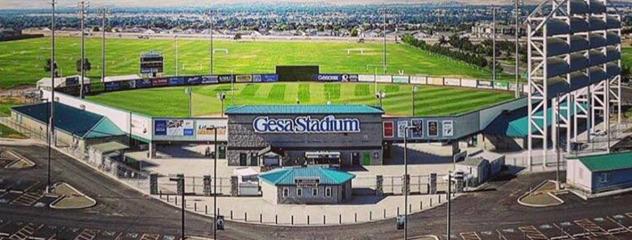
[
  {"x": 287, "y": 176},
  {"x": 304, "y": 109},
  {"x": 607, "y": 162},
  {"x": 109, "y": 147},
  {"x": 72, "y": 120}
]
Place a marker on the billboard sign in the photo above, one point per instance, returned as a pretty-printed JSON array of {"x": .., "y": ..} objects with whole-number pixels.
[
  {"x": 193, "y": 80},
  {"x": 433, "y": 128},
  {"x": 389, "y": 129},
  {"x": 256, "y": 78},
  {"x": 328, "y": 77},
  {"x": 112, "y": 86},
  {"x": 159, "y": 82},
  {"x": 210, "y": 79},
  {"x": 306, "y": 124},
  {"x": 225, "y": 78},
  {"x": 205, "y": 130},
  {"x": 143, "y": 83},
  {"x": 400, "y": 79},
  {"x": 417, "y": 132},
  {"x": 270, "y": 78},
  {"x": 243, "y": 78},
  {"x": 448, "y": 128},
  {"x": 401, "y": 129},
  {"x": 176, "y": 81},
  {"x": 350, "y": 78},
  {"x": 141, "y": 126},
  {"x": 174, "y": 128}
]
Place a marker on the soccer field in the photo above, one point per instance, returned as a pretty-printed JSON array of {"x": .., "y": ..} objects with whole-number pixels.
[
  {"x": 22, "y": 62},
  {"x": 429, "y": 100}
]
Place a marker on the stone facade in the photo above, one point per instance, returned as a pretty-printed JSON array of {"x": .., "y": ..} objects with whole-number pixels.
[
  {"x": 321, "y": 194},
  {"x": 364, "y": 146}
]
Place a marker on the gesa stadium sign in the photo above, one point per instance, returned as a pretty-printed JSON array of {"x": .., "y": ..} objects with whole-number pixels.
[{"x": 306, "y": 124}]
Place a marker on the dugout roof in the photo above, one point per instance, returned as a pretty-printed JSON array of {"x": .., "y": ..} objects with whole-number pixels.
[{"x": 287, "y": 176}]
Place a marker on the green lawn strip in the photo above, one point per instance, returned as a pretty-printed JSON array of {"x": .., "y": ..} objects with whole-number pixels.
[
  {"x": 250, "y": 90},
  {"x": 277, "y": 92},
  {"x": 6, "y": 132},
  {"x": 362, "y": 90},
  {"x": 304, "y": 92},
  {"x": 332, "y": 91}
]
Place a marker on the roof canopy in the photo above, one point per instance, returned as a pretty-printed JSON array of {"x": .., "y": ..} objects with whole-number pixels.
[
  {"x": 304, "y": 109},
  {"x": 72, "y": 120},
  {"x": 109, "y": 147},
  {"x": 287, "y": 176},
  {"x": 607, "y": 162}
]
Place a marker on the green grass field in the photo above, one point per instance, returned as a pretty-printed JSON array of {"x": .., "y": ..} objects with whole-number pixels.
[
  {"x": 21, "y": 62},
  {"x": 627, "y": 56},
  {"x": 429, "y": 100}
]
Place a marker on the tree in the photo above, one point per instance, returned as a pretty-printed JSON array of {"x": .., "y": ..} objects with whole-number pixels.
[
  {"x": 47, "y": 67},
  {"x": 86, "y": 65},
  {"x": 354, "y": 32},
  {"x": 625, "y": 73},
  {"x": 442, "y": 41},
  {"x": 237, "y": 36}
]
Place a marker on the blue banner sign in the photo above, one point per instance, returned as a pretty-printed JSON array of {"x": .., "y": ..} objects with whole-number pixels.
[{"x": 269, "y": 78}]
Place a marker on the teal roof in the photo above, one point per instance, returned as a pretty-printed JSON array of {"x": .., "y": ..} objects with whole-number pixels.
[
  {"x": 72, "y": 120},
  {"x": 607, "y": 162},
  {"x": 515, "y": 123},
  {"x": 304, "y": 109},
  {"x": 286, "y": 176}
]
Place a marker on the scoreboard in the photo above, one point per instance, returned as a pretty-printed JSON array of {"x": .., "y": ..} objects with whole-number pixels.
[{"x": 151, "y": 63}]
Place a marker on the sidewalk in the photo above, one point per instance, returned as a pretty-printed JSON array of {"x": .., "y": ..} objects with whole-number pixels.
[{"x": 258, "y": 211}]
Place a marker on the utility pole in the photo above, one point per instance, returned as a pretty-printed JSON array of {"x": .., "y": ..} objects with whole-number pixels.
[
  {"x": 210, "y": 18},
  {"x": 82, "y": 17},
  {"x": 104, "y": 13},
  {"x": 557, "y": 141},
  {"x": 215, "y": 186},
  {"x": 384, "y": 40},
  {"x": 51, "y": 120},
  {"x": 517, "y": 54},
  {"x": 448, "y": 227},
  {"x": 494, "y": 43}
]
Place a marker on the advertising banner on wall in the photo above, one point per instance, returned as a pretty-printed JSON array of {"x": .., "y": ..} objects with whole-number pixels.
[
  {"x": 256, "y": 78},
  {"x": 112, "y": 86},
  {"x": 143, "y": 83},
  {"x": 72, "y": 81},
  {"x": 270, "y": 78},
  {"x": 389, "y": 129},
  {"x": 328, "y": 77},
  {"x": 433, "y": 128},
  {"x": 127, "y": 84},
  {"x": 205, "y": 130},
  {"x": 400, "y": 79},
  {"x": 401, "y": 129},
  {"x": 141, "y": 126},
  {"x": 159, "y": 82},
  {"x": 193, "y": 80},
  {"x": 174, "y": 127},
  {"x": 225, "y": 78},
  {"x": 448, "y": 128},
  {"x": 210, "y": 79},
  {"x": 174, "y": 81},
  {"x": 418, "y": 131},
  {"x": 243, "y": 78},
  {"x": 350, "y": 78}
]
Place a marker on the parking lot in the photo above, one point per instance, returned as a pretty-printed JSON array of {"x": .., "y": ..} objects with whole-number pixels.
[
  {"x": 32, "y": 231},
  {"x": 23, "y": 192},
  {"x": 613, "y": 227}
]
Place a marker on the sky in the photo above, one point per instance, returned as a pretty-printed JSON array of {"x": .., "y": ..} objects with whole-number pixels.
[{"x": 18, "y": 4}]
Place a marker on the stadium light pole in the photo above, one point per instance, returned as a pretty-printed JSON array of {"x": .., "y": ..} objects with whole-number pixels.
[
  {"x": 406, "y": 180},
  {"x": 82, "y": 17},
  {"x": 104, "y": 13},
  {"x": 221, "y": 96},
  {"x": 180, "y": 179},
  {"x": 557, "y": 141},
  {"x": 517, "y": 54},
  {"x": 493, "y": 43},
  {"x": 51, "y": 119},
  {"x": 384, "y": 39},
  {"x": 210, "y": 19},
  {"x": 215, "y": 185}
]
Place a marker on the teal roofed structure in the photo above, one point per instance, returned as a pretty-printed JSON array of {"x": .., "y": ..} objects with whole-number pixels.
[
  {"x": 74, "y": 121},
  {"x": 304, "y": 109},
  {"x": 607, "y": 162},
  {"x": 288, "y": 175}
]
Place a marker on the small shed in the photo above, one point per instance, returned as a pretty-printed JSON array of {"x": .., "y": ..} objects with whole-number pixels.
[
  {"x": 104, "y": 153},
  {"x": 477, "y": 170},
  {"x": 496, "y": 161},
  {"x": 247, "y": 181},
  {"x": 306, "y": 185},
  {"x": 600, "y": 173}
]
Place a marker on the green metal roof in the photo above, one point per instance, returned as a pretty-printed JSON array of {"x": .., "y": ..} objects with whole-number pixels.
[
  {"x": 515, "y": 123},
  {"x": 607, "y": 162},
  {"x": 72, "y": 120},
  {"x": 304, "y": 109},
  {"x": 286, "y": 176}
]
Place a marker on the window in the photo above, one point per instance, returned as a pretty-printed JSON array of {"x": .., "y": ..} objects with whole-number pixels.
[
  {"x": 603, "y": 178},
  {"x": 299, "y": 192},
  {"x": 286, "y": 192},
  {"x": 314, "y": 191},
  {"x": 328, "y": 192}
]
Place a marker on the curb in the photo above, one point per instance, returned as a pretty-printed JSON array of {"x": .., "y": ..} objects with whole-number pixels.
[
  {"x": 20, "y": 158},
  {"x": 52, "y": 205},
  {"x": 560, "y": 201}
]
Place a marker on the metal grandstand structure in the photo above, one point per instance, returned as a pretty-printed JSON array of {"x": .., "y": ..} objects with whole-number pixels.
[{"x": 574, "y": 66}]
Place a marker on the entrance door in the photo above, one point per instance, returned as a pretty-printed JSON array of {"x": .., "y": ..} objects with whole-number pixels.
[
  {"x": 355, "y": 159},
  {"x": 243, "y": 159},
  {"x": 253, "y": 159}
]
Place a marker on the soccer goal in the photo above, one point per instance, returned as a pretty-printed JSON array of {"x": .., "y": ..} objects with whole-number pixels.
[
  {"x": 355, "y": 50},
  {"x": 223, "y": 50}
]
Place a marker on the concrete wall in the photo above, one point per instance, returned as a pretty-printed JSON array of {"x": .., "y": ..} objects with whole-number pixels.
[
  {"x": 243, "y": 139},
  {"x": 578, "y": 176}
]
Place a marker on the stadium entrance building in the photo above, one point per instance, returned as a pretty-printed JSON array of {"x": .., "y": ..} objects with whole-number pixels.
[{"x": 290, "y": 135}]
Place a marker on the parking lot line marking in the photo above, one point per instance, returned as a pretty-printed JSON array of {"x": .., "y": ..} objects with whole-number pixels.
[
  {"x": 87, "y": 234},
  {"x": 591, "y": 227},
  {"x": 147, "y": 236},
  {"x": 23, "y": 233},
  {"x": 533, "y": 233},
  {"x": 27, "y": 199},
  {"x": 470, "y": 236},
  {"x": 621, "y": 228}
]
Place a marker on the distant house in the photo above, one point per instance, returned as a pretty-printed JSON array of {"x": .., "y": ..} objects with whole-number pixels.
[{"x": 306, "y": 185}]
